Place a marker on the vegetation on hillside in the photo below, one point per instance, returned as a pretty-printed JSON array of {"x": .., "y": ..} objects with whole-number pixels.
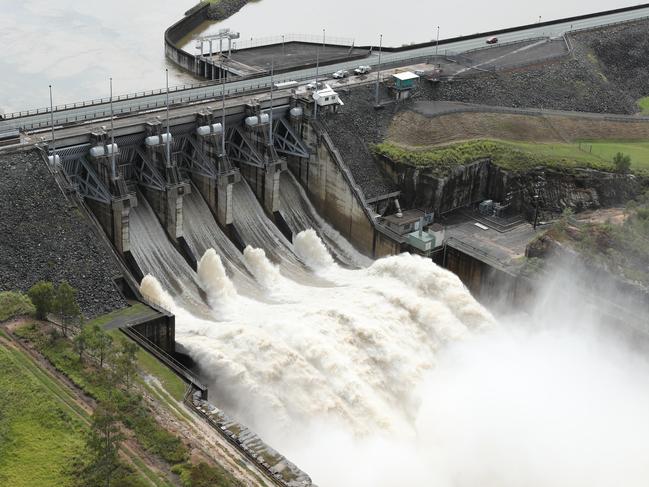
[
  {"x": 621, "y": 248},
  {"x": 14, "y": 304},
  {"x": 518, "y": 156},
  {"x": 106, "y": 369}
]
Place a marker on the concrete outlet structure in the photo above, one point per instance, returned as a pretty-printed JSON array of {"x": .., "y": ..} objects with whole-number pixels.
[{"x": 167, "y": 202}]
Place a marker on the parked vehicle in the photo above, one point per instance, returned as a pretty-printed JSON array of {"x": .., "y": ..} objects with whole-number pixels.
[
  {"x": 313, "y": 86},
  {"x": 342, "y": 73},
  {"x": 362, "y": 70},
  {"x": 492, "y": 40}
]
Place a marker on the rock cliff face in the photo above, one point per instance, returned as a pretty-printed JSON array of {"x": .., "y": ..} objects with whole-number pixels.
[
  {"x": 578, "y": 189},
  {"x": 43, "y": 235}
]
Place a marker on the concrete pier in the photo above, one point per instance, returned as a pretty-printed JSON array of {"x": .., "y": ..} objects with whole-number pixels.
[
  {"x": 216, "y": 180},
  {"x": 166, "y": 201},
  {"x": 113, "y": 215}
]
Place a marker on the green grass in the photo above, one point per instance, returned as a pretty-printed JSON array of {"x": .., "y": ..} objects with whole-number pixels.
[
  {"x": 521, "y": 156},
  {"x": 14, "y": 304},
  {"x": 39, "y": 434},
  {"x": 643, "y": 103},
  {"x": 639, "y": 152},
  {"x": 150, "y": 365},
  {"x": 135, "y": 414},
  {"x": 120, "y": 314}
]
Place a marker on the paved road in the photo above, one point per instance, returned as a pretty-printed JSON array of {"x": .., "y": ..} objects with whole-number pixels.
[{"x": 133, "y": 105}]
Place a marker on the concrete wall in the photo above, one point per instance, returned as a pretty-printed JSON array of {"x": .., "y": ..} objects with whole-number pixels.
[
  {"x": 180, "y": 29},
  {"x": 332, "y": 196}
]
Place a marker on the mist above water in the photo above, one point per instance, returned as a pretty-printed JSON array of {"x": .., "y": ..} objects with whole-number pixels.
[{"x": 395, "y": 375}]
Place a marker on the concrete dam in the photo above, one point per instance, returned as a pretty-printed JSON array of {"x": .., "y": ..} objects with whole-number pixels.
[{"x": 306, "y": 291}]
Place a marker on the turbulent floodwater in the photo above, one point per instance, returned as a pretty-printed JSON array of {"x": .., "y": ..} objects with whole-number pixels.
[{"x": 394, "y": 375}]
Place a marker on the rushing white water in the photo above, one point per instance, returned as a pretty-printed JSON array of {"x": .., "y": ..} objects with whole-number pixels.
[
  {"x": 203, "y": 233},
  {"x": 213, "y": 279},
  {"x": 311, "y": 250},
  {"x": 300, "y": 215},
  {"x": 394, "y": 375}
]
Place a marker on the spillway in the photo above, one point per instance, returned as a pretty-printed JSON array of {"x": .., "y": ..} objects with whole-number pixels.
[
  {"x": 156, "y": 255},
  {"x": 202, "y": 233},
  {"x": 300, "y": 214},
  {"x": 259, "y": 232}
]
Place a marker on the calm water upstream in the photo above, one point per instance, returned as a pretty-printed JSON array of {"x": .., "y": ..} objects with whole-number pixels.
[{"x": 76, "y": 46}]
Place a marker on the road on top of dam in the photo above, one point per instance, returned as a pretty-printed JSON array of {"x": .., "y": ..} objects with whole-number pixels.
[{"x": 90, "y": 112}]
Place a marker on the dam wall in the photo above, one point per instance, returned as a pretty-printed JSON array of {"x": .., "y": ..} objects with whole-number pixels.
[{"x": 335, "y": 196}]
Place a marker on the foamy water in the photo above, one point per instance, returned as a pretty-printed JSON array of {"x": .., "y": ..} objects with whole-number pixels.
[{"x": 394, "y": 375}]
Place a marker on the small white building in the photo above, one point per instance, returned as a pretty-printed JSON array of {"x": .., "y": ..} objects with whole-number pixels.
[{"x": 326, "y": 97}]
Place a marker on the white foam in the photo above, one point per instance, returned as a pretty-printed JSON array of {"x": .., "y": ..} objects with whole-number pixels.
[
  {"x": 265, "y": 272},
  {"x": 214, "y": 280},
  {"x": 311, "y": 250}
]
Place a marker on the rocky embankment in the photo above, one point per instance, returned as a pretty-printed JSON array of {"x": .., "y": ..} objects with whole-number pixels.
[
  {"x": 606, "y": 73},
  {"x": 224, "y": 9},
  {"x": 43, "y": 235}
]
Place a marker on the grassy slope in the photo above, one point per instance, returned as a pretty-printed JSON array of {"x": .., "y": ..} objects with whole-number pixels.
[
  {"x": 519, "y": 156},
  {"x": 38, "y": 434},
  {"x": 643, "y": 103}
]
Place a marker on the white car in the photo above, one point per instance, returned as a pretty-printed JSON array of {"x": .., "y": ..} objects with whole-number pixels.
[
  {"x": 342, "y": 73},
  {"x": 362, "y": 70},
  {"x": 313, "y": 86}
]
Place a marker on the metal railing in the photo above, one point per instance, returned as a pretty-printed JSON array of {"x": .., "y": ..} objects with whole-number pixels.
[{"x": 278, "y": 39}]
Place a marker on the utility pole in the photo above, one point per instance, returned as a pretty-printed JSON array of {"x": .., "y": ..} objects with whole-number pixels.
[
  {"x": 168, "y": 131},
  {"x": 437, "y": 41},
  {"x": 52, "y": 124},
  {"x": 283, "y": 45},
  {"x": 378, "y": 71},
  {"x": 112, "y": 134},
  {"x": 323, "y": 38}
]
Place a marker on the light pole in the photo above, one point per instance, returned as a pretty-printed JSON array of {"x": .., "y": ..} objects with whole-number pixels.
[
  {"x": 112, "y": 134},
  {"x": 283, "y": 44},
  {"x": 437, "y": 41},
  {"x": 270, "y": 115},
  {"x": 168, "y": 131},
  {"x": 317, "y": 65},
  {"x": 222, "y": 110},
  {"x": 323, "y": 38},
  {"x": 52, "y": 124},
  {"x": 378, "y": 71}
]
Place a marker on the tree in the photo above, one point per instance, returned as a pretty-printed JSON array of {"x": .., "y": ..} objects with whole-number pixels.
[
  {"x": 65, "y": 305},
  {"x": 622, "y": 163},
  {"x": 81, "y": 341},
  {"x": 126, "y": 362},
  {"x": 42, "y": 294},
  {"x": 102, "y": 445},
  {"x": 100, "y": 343}
]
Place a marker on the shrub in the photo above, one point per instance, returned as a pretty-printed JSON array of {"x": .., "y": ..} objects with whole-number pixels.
[
  {"x": 622, "y": 163},
  {"x": 14, "y": 304},
  {"x": 42, "y": 296}
]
